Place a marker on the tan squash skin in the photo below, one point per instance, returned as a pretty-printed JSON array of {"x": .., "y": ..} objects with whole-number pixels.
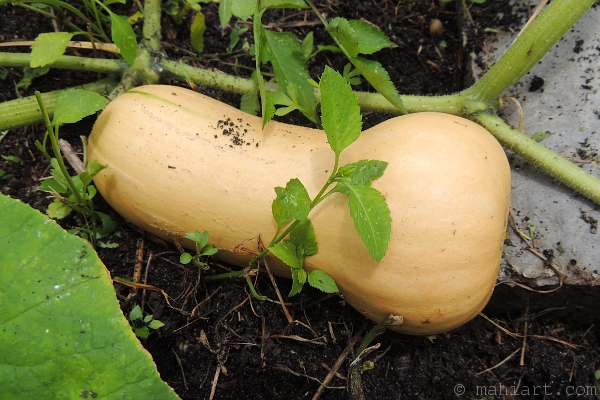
[{"x": 172, "y": 170}]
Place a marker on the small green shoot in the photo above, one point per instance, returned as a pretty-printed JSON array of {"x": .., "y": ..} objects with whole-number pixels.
[
  {"x": 14, "y": 159},
  {"x": 235, "y": 35},
  {"x": 342, "y": 123},
  {"x": 73, "y": 193},
  {"x": 197, "y": 32},
  {"x": 29, "y": 74},
  {"x": 295, "y": 239},
  {"x": 203, "y": 249},
  {"x": 141, "y": 325},
  {"x": 532, "y": 229},
  {"x": 539, "y": 136}
]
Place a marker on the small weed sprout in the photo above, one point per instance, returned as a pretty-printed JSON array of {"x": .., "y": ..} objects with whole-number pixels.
[
  {"x": 203, "y": 249},
  {"x": 141, "y": 325}
]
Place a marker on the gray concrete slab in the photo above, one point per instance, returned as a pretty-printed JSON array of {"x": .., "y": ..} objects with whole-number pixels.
[{"x": 560, "y": 99}]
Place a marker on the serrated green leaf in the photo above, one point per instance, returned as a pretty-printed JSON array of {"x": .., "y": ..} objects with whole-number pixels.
[
  {"x": 91, "y": 192},
  {"x": 136, "y": 313},
  {"x": 340, "y": 113},
  {"x": 48, "y": 47},
  {"x": 123, "y": 37},
  {"x": 280, "y": 98},
  {"x": 281, "y": 111},
  {"x": 243, "y": 8},
  {"x": 330, "y": 48},
  {"x": 370, "y": 38},
  {"x": 279, "y": 212},
  {"x": 308, "y": 45},
  {"x": 284, "y": 51},
  {"x": 197, "y": 32},
  {"x": 250, "y": 102},
  {"x": 378, "y": 77},
  {"x": 320, "y": 280},
  {"x": 234, "y": 37},
  {"x": 341, "y": 29},
  {"x": 142, "y": 332},
  {"x": 225, "y": 12},
  {"x": 93, "y": 167},
  {"x": 268, "y": 108},
  {"x": 360, "y": 173},
  {"x": 135, "y": 17},
  {"x": 107, "y": 245},
  {"x": 73, "y": 105},
  {"x": 286, "y": 251},
  {"x": 298, "y": 281},
  {"x": 295, "y": 199},
  {"x": 303, "y": 236},
  {"x": 372, "y": 219},
  {"x": 57, "y": 173},
  {"x": 107, "y": 225},
  {"x": 62, "y": 333}
]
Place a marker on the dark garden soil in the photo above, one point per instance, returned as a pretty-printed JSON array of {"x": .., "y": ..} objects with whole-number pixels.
[{"x": 217, "y": 338}]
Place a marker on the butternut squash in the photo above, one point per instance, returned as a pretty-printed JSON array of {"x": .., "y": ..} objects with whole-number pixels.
[{"x": 180, "y": 161}]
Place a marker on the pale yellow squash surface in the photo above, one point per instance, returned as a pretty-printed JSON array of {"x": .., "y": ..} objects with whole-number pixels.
[{"x": 179, "y": 161}]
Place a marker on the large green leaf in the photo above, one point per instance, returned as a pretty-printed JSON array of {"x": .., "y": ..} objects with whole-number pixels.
[
  {"x": 371, "y": 217},
  {"x": 341, "y": 116},
  {"x": 74, "y": 104},
  {"x": 378, "y": 77},
  {"x": 123, "y": 36},
  {"x": 62, "y": 334},
  {"x": 295, "y": 199}
]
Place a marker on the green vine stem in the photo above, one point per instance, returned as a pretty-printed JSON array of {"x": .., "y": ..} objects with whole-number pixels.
[
  {"x": 529, "y": 48},
  {"x": 25, "y": 111},
  {"x": 67, "y": 62},
  {"x": 152, "y": 28},
  {"x": 542, "y": 157}
]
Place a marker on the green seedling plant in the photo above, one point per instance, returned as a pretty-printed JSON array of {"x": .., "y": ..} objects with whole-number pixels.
[
  {"x": 73, "y": 193},
  {"x": 288, "y": 57},
  {"x": 203, "y": 250},
  {"x": 294, "y": 239},
  {"x": 142, "y": 325}
]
